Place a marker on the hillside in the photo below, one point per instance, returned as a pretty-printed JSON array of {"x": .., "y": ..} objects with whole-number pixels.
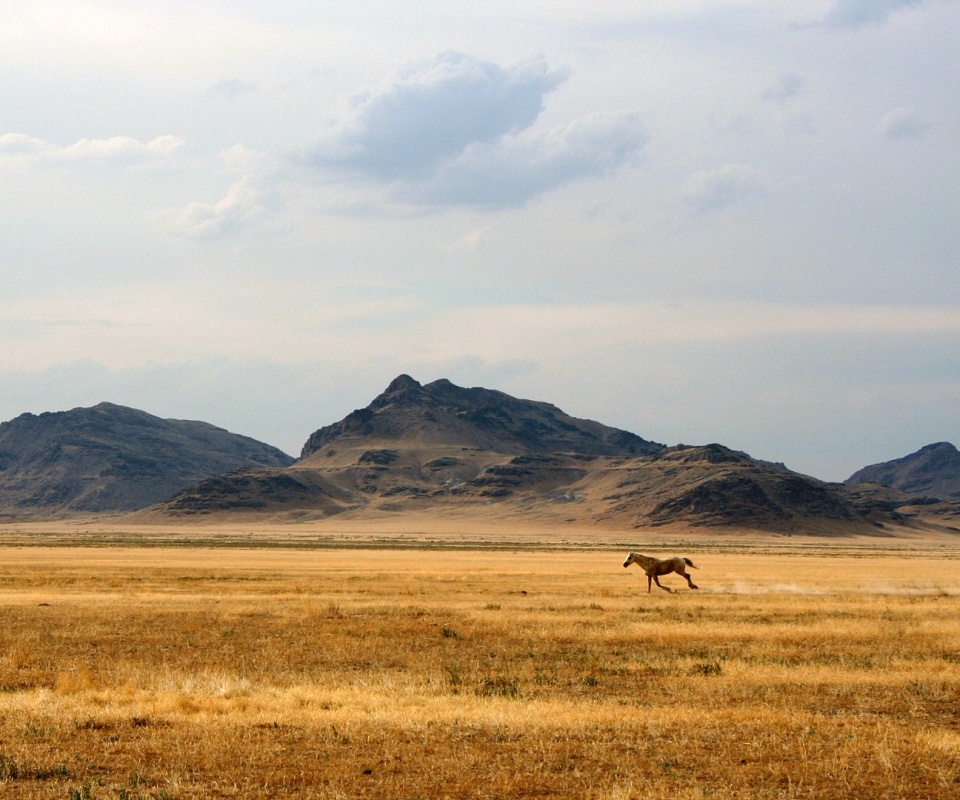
[
  {"x": 933, "y": 471},
  {"x": 112, "y": 458},
  {"x": 439, "y": 448}
]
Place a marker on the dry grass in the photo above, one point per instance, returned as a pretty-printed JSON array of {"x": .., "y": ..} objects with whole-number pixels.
[{"x": 202, "y": 673}]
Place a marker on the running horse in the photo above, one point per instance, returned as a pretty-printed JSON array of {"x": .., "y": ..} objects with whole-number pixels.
[{"x": 654, "y": 567}]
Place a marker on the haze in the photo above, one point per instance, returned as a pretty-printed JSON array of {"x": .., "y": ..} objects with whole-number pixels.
[{"x": 712, "y": 220}]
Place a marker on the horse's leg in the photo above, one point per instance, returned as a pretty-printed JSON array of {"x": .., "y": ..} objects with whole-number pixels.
[
  {"x": 665, "y": 588},
  {"x": 649, "y": 578},
  {"x": 690, "y": 583}
]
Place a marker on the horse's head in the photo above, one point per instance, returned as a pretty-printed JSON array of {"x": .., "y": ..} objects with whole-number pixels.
[{"x": 629, "y": 560}]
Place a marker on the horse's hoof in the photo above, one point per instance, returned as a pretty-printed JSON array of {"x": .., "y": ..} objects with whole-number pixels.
[{"x": 694, "y": 587}]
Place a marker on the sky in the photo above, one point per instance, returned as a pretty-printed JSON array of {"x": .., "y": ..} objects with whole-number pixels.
[{"x": 729, "y": 221}]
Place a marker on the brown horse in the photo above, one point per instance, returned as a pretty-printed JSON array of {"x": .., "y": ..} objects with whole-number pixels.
[{"x": 653, "y": 567}]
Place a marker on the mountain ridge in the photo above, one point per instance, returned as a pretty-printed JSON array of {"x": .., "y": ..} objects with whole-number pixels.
[
  {"x": 439, "y": 447},
  {"x": 932, "y": 470},
  {"x": 435, "y": 449},
  {"x": 109, "y": 457}
]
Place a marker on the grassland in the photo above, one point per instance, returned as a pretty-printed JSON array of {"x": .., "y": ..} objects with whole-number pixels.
[{"x": 825, "y": 671}]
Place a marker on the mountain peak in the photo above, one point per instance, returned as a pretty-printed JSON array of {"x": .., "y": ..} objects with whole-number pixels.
[
  {"x": 943, "y": 448},
  {"x": 402, "y": 383},
  {"x": 444, "y": 413},
  {"x": 932, "y": 470}
]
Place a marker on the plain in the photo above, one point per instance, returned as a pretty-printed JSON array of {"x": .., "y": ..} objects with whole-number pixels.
[{"x": 799, "y": 669}]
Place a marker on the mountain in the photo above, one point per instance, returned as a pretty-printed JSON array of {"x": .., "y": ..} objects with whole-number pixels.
[
  {"x": 112, "y": 458},
  {"x": 435, "y": 444},
  {"x": 443, "y": 414},
  {"x": 713, "y": 485},
  {"x": 933, "y": 471},
  {"x": 440, "y": 448}
]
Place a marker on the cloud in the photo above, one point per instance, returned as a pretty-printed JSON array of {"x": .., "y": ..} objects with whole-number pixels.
[
  {"x": 121, "y": 148},
  {"x": 472, "y": 242},
  {"x": 708, "y": 191},
  {"x": 19, "y": 144},
  {"x": 250, "y": 204},
  {"x": 456, "y": 130},
  {"x": 856, "y": 13},
  {"x": 902, "y": 123},
  {"x": 429, "y": 110},
  {"x": 515, "y": 169},
  {"x": 117, "y": 149},
  {"x": 243, "y": 207},
  {"x": 246, "y": 160}
]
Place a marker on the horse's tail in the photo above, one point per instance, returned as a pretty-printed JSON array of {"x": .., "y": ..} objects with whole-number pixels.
[{"x": 689, "y": 563}]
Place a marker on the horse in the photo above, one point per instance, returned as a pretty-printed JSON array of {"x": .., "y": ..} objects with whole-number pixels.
[{"x": 653, "y": 567}]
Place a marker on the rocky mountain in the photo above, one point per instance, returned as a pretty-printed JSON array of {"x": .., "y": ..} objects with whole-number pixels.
[
  {"x": 443, "y": 414},
  {"x": 418, "y": 444},
  {"x": 933, "y": 471},
  {"x": 109, "y": 458},
  {"x": 713, "y": 485},
  {"x": 440, "y": 448}
]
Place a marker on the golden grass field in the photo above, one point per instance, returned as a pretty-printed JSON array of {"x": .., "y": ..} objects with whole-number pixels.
[{"x": 802, "y": 668}]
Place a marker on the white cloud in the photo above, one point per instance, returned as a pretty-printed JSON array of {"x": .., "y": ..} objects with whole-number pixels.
[
  {"x": 19, "y": 144},
  {"x": 902, "y": 123},
  {"x": 517, "y": 168},
  {"x": 242, "y": 207},
  {"x": 426, "y": 111},
  {"x": 121, "y": 148},
  {"x": 117, "y": 149},
  {"x": 252, "y": 203},
  {"x": 455, "y": 130},
  {"x": 711, "y": 190},
  {"x": 473, "y": 241}
]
